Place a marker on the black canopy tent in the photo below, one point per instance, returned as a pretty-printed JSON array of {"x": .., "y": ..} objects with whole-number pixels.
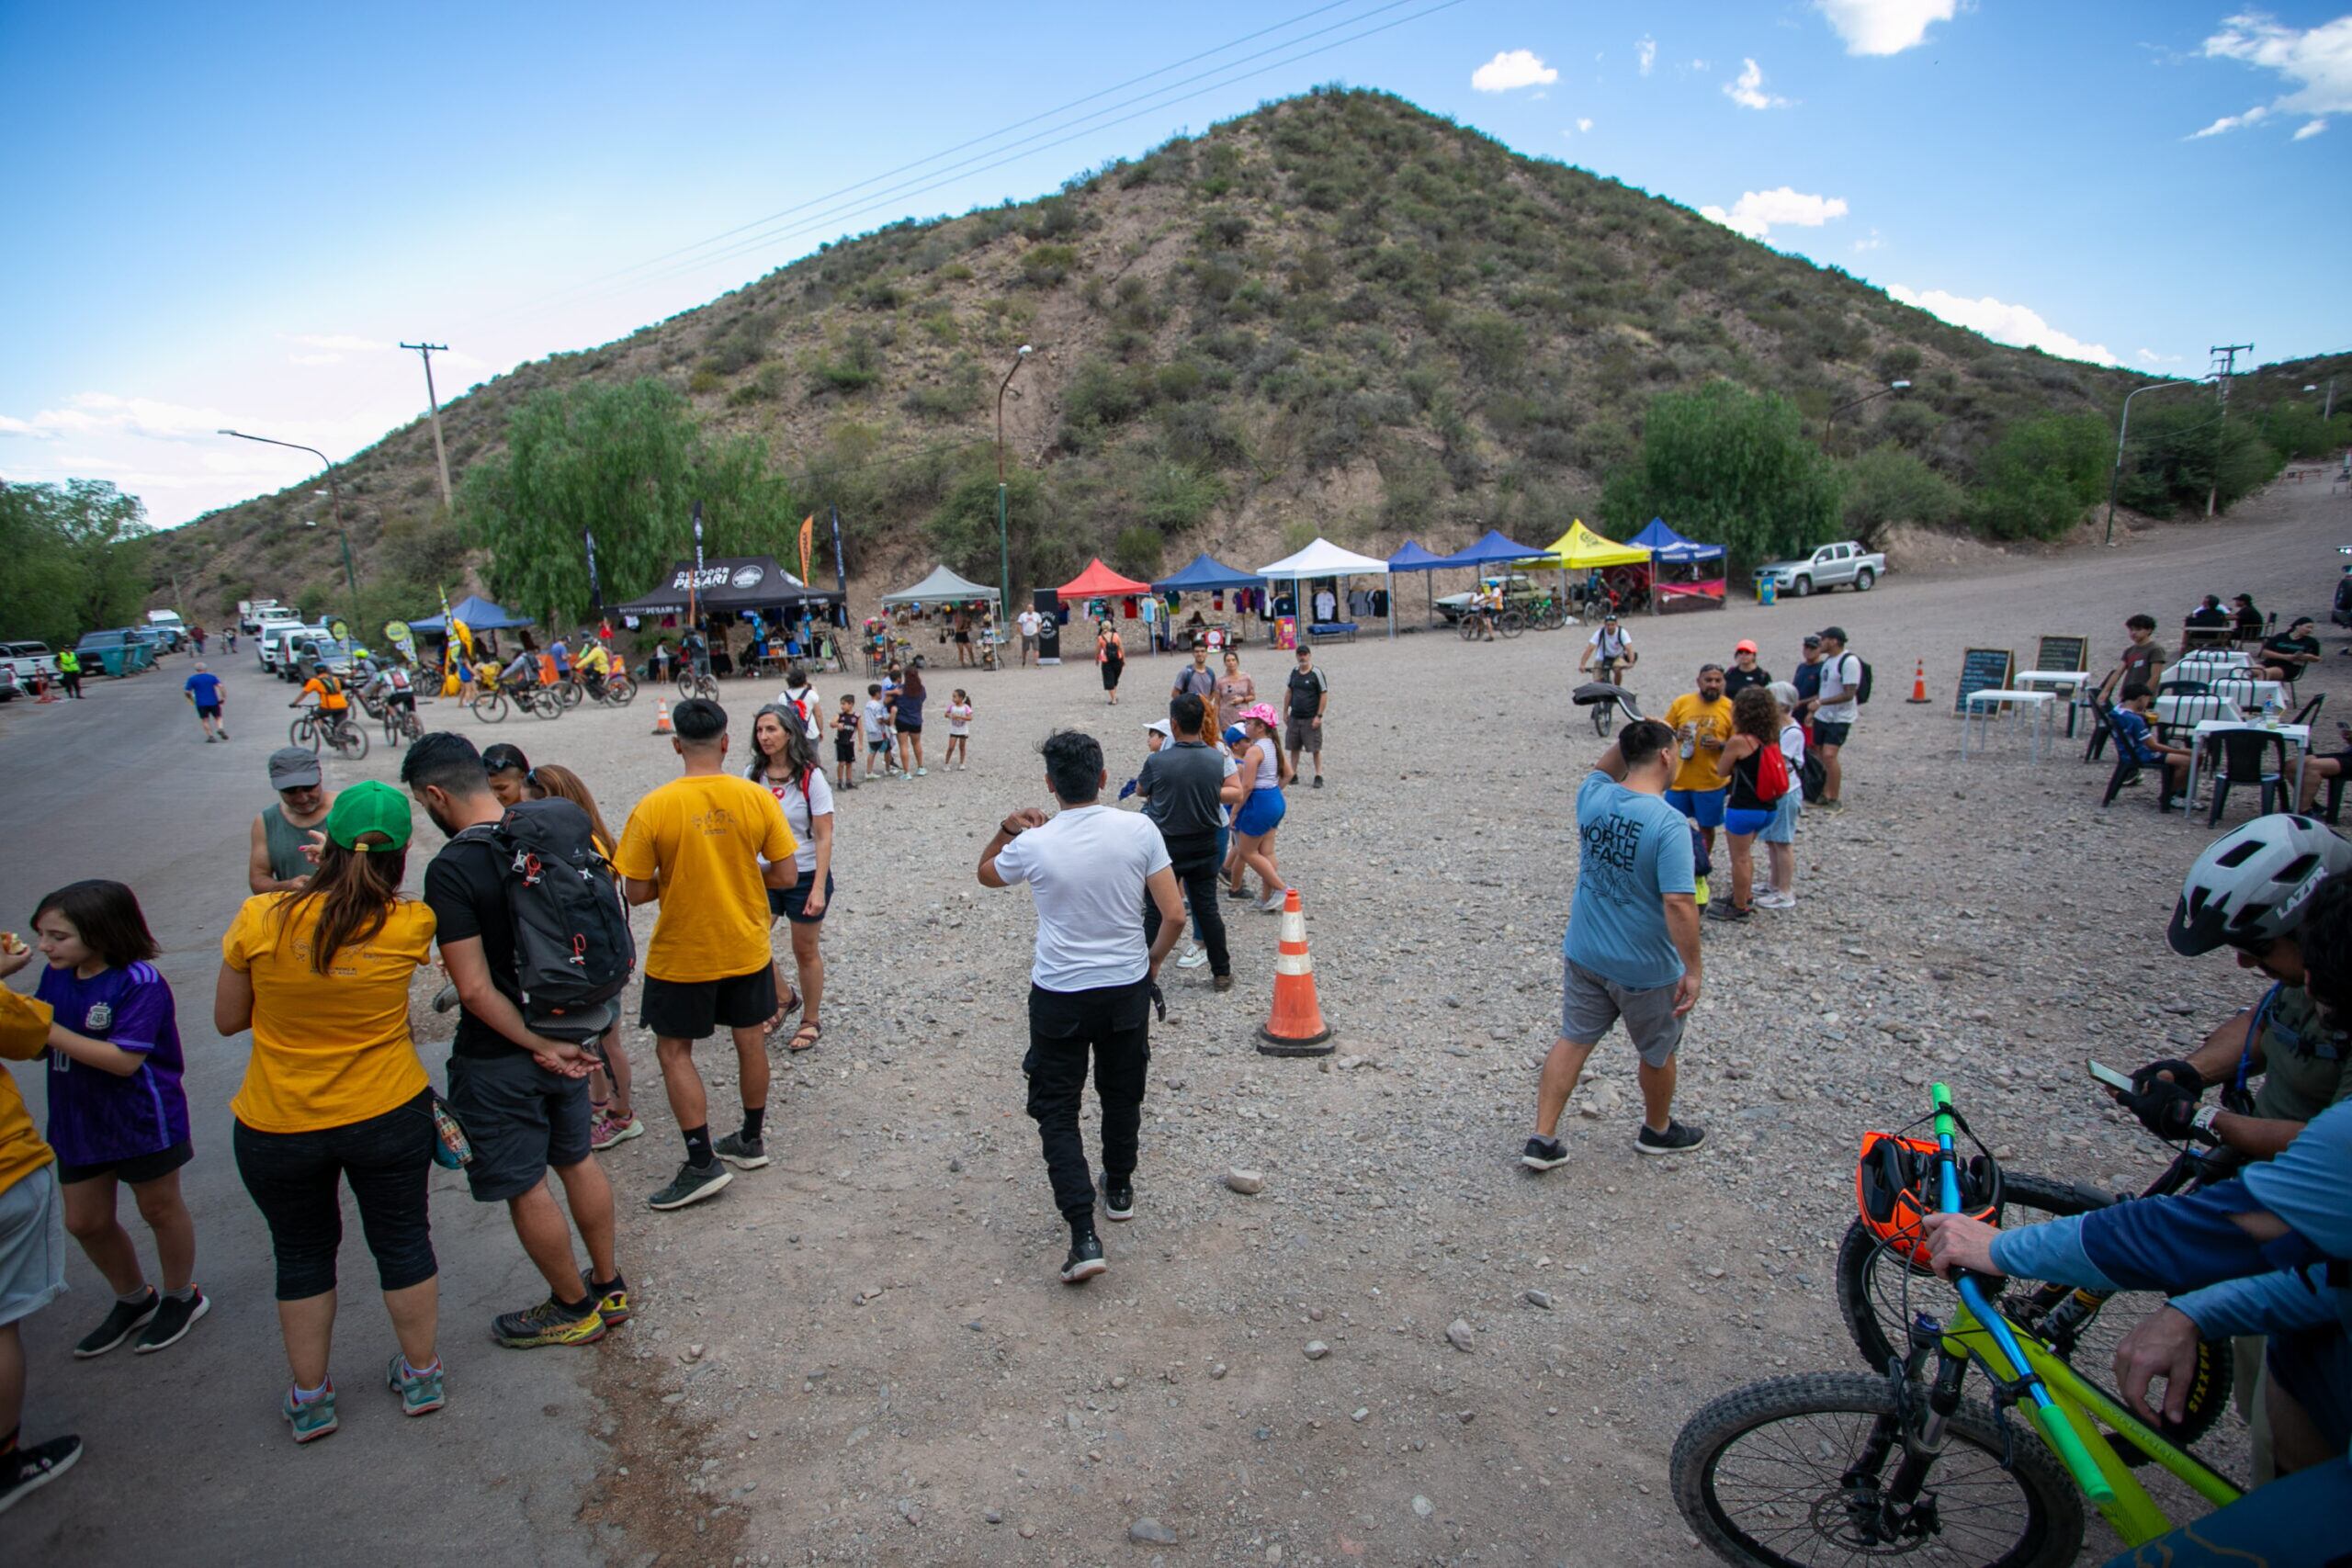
[{"x": 728, "y": 586}]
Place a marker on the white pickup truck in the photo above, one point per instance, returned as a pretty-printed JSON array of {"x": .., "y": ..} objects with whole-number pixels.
[{"x": 1843, "y": 565}]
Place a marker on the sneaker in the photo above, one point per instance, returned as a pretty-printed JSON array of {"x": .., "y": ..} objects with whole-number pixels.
[
  {"x": 1318, "y": 780},
  {"x": 1085, "y": 1260},
  {"x": 1544, "y": 1154},
  {"x": 923, "y": 772},
  {"x": 742, "y": 1152},
  {"x": 550, "y": 1323},
  {"x": 1724, "y": 909},
  {"x": 311, "y": 1421},
  {"x": 1272, "y": 902},
  {"x": 1192, "y": 957},
  {"x": 611, "y": 1130},
  {"x": 1829, "y": 805},
  {"x": 120, "y": 1321},
  {"x": 224, "y": 735},
  {"x": 1118, "y": 1196},
  {"x": 172, "y": 1319},
  {"x": 208, "y": 739},
  {"x": 1239, "y": 893},
  {"x": 1772, "y": 900},
  {"x": 692, "y": 1185},
  {"x": 421, "y": 1393},
  {"x": 1677, "y": 1138},
  {"x": 26, "y": 1470},
  {"x": 611, "y": 1306},
  {"x": 1221, "y": 983}
]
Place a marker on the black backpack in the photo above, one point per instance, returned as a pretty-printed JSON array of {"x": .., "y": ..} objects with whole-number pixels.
[
  {"x": 1813, "y": 776},
  {"x": 573, "y": 949},
  {"x": 1862, "y": 687}
]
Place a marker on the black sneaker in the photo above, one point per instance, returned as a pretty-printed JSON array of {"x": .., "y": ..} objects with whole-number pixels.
[
  {"x": 1725, "y": 909},
  {"x": 24, "y": 1470},
  {"x": 118, "y": 1326},
  {"x": 742, "y": 1152},
  {"x": 692, "y": 1185},
  {"x": 1085, "y": 1260},
  {"x": 612, "y": 1301},
  {"x": 1318, "y": 780},
  {"x": 1118, "y": 1198},
  {"x": 1239, "y": 893},
  {"x": 171, "y": 1320},
  {"x": 1544, "y": 1154},
  {"x": 1677, "y": 1138}
]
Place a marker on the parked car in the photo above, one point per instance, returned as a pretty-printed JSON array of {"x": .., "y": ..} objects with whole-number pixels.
[
  {"x": 338, "y": 657},
  {"x": 1845, "y": 564},
  {"x": 10, "y": 688},
  {"x": 30, "y": 658},
  {"x": 271, "y": 634},
  {"x": 1517, "y": 587},
  {"x": 253, "y": 614},
  {"x": 288, "y": 650}
]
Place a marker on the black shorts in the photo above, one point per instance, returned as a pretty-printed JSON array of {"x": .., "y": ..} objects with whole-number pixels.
[
  {"x": 695, "y": 1010},
  {"x": 792, "y": 902},
  {"x": 208, "y": 710},
  {"x": 131, "y": 1172},
  {"x": 910, "y": 729},
  {"x": 521, "y": 1120},
  {"x": 845, "y": 750},
  {"x": 1825, "y": 733}
]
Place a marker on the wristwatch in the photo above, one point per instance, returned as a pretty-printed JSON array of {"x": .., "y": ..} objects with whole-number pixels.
[{"x": 2202, "y": 1123}]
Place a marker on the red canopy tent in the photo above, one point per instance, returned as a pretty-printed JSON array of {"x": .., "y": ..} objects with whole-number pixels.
[{"x": 1099, "y": 581}]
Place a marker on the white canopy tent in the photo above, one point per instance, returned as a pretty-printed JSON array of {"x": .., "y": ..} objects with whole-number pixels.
[
  {"x": 944, "y": 587},
  {"x": 1324, "y": 558}
]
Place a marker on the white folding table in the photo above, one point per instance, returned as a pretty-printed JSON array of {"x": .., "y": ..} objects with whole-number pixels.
[
  {"x": 1987, "y": 704},
  {"x": 2068, "y": 684},
  {"x": 2295, "y": 735}
]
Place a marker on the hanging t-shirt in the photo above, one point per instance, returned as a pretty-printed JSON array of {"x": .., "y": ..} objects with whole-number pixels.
[{"x": 97, "y": 1117}]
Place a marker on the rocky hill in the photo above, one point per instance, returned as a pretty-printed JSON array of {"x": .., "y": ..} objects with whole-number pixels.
[{"x": 1337, "y": 314}]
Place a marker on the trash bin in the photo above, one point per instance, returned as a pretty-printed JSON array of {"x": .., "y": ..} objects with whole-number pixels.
[{"x": 1767, "y": 590}]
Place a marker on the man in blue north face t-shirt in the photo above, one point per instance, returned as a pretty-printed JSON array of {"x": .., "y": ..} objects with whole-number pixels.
[
  {"x": 1631, "y": 950},
  {"x": 203, "y": 690}
]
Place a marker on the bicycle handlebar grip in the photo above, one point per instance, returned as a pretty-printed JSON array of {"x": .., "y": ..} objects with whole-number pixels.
[{"x": 2068, "y": 1444}]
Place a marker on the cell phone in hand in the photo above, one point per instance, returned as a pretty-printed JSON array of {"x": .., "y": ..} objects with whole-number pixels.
[{"x": 2108, "y": 1076}]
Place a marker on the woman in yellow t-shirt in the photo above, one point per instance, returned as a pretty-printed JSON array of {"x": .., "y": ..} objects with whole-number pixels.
[{"x": 333, "y": 1093}]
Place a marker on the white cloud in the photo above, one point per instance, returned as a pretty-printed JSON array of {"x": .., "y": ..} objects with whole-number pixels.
[
  {"x": 1883, "y": 27},
  {"x": 1699, "y": 66},
  {"x": 1586, "y": 125},
  {"x": 1647, "y": 50},
  {"x": 1757, "y": 212},
  {"x": 2003, "y": 322},
  {"x": 2230, "y": 122},
  {"x": 1513, "y": 69},
  {"x": 1747, "y": 89},
  {"x": 2317, "y": 61},
  {"x": 2150, "y": 357},
  {"x": 1872, "y": 243},
  {"x": 2310, "y": 129}
]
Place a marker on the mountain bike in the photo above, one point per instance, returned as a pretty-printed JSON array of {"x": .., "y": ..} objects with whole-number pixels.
[
  {"x": 1502, "y": 623},
  {"x": 545, "y": 702},
  {"x": 1545, "y": 615},
  {"x": 1877, "y": 1292},
  {"x": 401, "y": 724},
  {"x": 619, "y": 691},
  {"x": 570, "y": 690},
  {"x": 315, "y": 728},
  {"x": 696, "y": 683},
  {"x": 1831, "y": 1466},
  {"x": 1608, "y": 700}
]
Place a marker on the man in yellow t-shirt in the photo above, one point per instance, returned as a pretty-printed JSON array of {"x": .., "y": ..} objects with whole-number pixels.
[
  {"x": 1702, "y": 722},
  {"x": 32, "y": 1234},
  {"x": 696, "y": 846}
]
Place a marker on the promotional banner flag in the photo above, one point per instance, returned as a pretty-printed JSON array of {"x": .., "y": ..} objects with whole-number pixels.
[
  {"x": 596, "y": 593},
  {"x": 840, "y": 578},
  {"x": 807, "y": 536}
]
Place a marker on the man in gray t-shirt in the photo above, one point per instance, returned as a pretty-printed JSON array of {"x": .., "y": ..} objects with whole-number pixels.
[{"x": 1184, "y": 787}]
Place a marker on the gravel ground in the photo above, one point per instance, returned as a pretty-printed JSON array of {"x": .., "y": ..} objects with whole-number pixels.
[{"x": 860, "y": 1354}]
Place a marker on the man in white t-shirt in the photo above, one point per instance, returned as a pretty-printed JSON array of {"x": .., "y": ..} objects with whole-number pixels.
[
  {"x": 1611, "y": 644},
  {"x": 1834, "y": 716},
  {"x": 1091, "y": 979},
  {"x": 1028, "y": 621}
]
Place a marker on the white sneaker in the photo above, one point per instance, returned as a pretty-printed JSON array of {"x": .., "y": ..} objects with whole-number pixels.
[
  {"x": 923, "y": 772},
  {"x": 1769, "y": 899},
  {"x": 1192, "y": 957}
]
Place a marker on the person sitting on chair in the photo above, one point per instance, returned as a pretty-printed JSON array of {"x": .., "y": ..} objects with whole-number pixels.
[
  {"x": 2292, "y": 652},
  {"x": 2129, "y": 718}
]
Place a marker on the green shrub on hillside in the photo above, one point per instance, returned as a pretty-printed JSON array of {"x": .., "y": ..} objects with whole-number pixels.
[
  {"x": 2040, "y": 475},
  {"x": 1043, "y": 266},
  {"x": 2180, "y": 450},
  {"x": 1887, "y": 485},
  {"x": 1728, "y": 466}
]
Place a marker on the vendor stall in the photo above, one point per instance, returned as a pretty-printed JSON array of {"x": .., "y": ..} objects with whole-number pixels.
[
  {"x": 1579, "y": 552},
  {"x": 1412, "y": 557},
  {"x": 728, "y": 589},
  {"x": 1325, "y": 559},
  {"x": 1681, "y": 572},
  {"x": 1206, "y": 574}
]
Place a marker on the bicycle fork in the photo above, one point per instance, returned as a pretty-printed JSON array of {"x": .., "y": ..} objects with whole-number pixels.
[{"x": 1903, "y": 1508}]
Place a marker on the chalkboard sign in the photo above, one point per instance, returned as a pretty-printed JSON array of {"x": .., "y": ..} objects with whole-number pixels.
[
  {"x": 1982, "y": 670},
  {"x": 2062, "y": 653}
]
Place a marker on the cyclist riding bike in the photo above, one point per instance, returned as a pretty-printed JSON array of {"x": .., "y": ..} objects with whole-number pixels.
[
  {"x": 334, "y": 703},
  {"x": 1481, "y": 611},
  {"x": 392, "y": 686},
  {"x": 521, "y": 673},
  {"x": 1613, "y": 645},
  {"x": 590, "y": 666}
]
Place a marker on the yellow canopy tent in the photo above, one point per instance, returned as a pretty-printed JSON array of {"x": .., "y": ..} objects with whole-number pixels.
[{"x": 1581, "y": 549}]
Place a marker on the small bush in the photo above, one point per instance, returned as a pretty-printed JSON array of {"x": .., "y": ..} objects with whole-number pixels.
[
  {"x": 1175, "y": 497},
  {"x": 1043, "y": 266}
]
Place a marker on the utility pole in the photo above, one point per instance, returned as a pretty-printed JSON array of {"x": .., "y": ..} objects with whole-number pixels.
[
  {"x": 440, "y": 453},
  {"x": 2226, "y": 359}
]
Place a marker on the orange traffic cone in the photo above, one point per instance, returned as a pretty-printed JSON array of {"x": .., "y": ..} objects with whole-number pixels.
[
  {"x": 1919, "y": 684},
  {"x": 662, "y": 717},
  {"x": 1296, "y": 1026}
]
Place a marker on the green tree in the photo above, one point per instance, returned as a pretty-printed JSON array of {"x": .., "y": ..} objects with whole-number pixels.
[
  {"x": 1726, "y": 465},
  {"x": 2180, "y": 451},
  {"x": 71, "y": 560},
  {"x": 2040, "y": 475},
  {"x": 626, "y": 463},
  {"x": 1887, "y": 485}
]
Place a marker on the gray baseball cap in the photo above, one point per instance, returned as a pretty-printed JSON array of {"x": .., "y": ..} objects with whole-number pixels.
[{"x": 294, "y": 767}]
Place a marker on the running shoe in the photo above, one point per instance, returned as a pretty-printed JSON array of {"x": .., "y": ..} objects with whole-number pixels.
[
  {"x": 1085, "y": 1260},
  {"x": 1239, "y": 893},
  {"x": 1222, "y": 982},
  {"x": 742, "y": 1152},
  {"x": 1318, "y": 780},
  {"x": 172, "y": 1319},
  {"x": 611, "y": 1130},
  {"x": 1272, "y": 902},
  {"x": 311, "y": 1420},
  {"x": 611, "y": 1304},
  {"x": 692, "y": 1185},
  {"x": 1772, "y": 900},
  {"x": 421, "y": 1394},
  {"x": 923, "y": 772},
  {"x": 24, "y": 1470},
  {"x": 1544, "y": 1154},
  {"x": 1192, "y": 957},
  {"x": 550, "y": 1323},
  {"x": 120, "y": 1321},
  {"x": 1678, "y": 1138},
  {"x": 1119, "y": 1197},
  {"x": 1724, "y": 909}
]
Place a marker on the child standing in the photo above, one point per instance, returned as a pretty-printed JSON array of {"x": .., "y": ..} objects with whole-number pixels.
[
  {"x": 117, "y": 1112},
  {"x": 959, "y": 730},
  {"x": 846, "y": 743},
  {"x": 877, "y": 720}
]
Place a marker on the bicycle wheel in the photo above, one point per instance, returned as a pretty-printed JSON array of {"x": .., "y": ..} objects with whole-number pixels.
[
  {"x": 2080, "y": 1330},
  {"x": 302, "y": 732},
  {"x": 1511, "y": 623},
  {"x": 544, "y": 703},
  {"x": 349, "y": 742},
  {"x": 1468, "y": 628},
  {"x": 620, "y": 690},
  {"x": 1601, "y": 713},
  {"x": 1789, "y": 1471},
  {"x": 1552, "y": 617},
  {"x": 491, "y": 709},
  {"x": 571, "y": 692}
]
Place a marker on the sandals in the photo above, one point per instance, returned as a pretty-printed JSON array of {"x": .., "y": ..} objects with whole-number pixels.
[
  {"x": 805, "y": 1037},
  {"x": 785, "y": 1009}
]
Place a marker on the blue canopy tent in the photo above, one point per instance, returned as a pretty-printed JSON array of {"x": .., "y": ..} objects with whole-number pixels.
[
  {"x": 478, "y": 613},
  {"x": 1491, "y": 549},
  {"x": 1667, "y": 547},
  {"x": 1203, "y": 574},
  {"x": 1412, "y": 557}
]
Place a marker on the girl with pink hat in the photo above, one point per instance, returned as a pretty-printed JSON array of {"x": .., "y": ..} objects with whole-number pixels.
[{"x": 1262, "y": 762}]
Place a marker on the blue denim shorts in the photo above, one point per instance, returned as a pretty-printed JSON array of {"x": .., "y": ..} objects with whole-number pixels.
[
  {"x": 32, "y": 1245},
  {"x": 1782, "y": 828}
]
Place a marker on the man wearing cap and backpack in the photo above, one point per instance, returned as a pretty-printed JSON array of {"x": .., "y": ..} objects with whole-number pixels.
[{"x": 1845, "y": 686}]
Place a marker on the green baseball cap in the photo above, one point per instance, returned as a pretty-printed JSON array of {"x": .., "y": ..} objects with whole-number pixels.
[{"x": 369, "y": 807}]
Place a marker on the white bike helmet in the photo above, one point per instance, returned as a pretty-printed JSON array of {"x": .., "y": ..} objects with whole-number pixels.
[{"x": 2249, "y": 886}]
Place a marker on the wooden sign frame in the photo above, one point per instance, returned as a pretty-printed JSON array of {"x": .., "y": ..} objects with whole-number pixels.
[{"x": 1968, "y": 659}]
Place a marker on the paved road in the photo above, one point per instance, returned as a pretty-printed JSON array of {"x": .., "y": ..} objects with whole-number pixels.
[{"x": 187, "y": 1459}]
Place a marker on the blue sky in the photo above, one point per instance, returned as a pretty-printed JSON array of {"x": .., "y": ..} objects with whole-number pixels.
[{"x": 228, "y": 217}]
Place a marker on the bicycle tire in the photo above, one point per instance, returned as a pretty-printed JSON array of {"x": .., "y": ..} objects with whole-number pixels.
[
  {"x": 2049, "y": 1535},
  {"x": 1871, "y": 1300},
  {"x": 620, "y": 690},
  {"x": 491, "y": 709},
  {"x": 1468, "y": 628},
  {"x": 1552, "y": 618},
  {"x": 544, "y": 705},
  {"x": 302, "y": 732},
  {"x": 1511, "y": 623},
  {"x": 350, "y": 742},
  {"x": 1600, "y": 714},
  {"x": 572, "y": 693}
]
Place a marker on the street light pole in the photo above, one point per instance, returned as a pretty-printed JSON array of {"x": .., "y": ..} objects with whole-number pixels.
[
  {"x": 2115, "y": 477},
  {"x": 1830, "y": 428},
  {"x": 335, "y": 493},
  {"x": 350, "y": 578},
  {"x": 1003, "y": 539}
]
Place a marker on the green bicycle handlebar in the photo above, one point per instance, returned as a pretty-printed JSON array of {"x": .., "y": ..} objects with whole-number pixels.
[{"x": 2056, "y": 1429}]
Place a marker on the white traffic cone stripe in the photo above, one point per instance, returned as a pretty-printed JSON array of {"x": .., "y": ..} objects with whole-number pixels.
[
  {"x": 1288, "y": 963},
  {"x": 1294, "y": 926}
]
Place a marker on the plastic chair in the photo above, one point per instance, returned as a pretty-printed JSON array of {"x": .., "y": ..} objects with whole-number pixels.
[
  {"x": 2308, "y": 713},
  {"x": 2247, "y": 758},
  {"x": 2126, "y": 767},
  {"x": 2100, "y": 732},
  {"x": 2188, "y": 712},
  {"x": 2184, "y": 689}
]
